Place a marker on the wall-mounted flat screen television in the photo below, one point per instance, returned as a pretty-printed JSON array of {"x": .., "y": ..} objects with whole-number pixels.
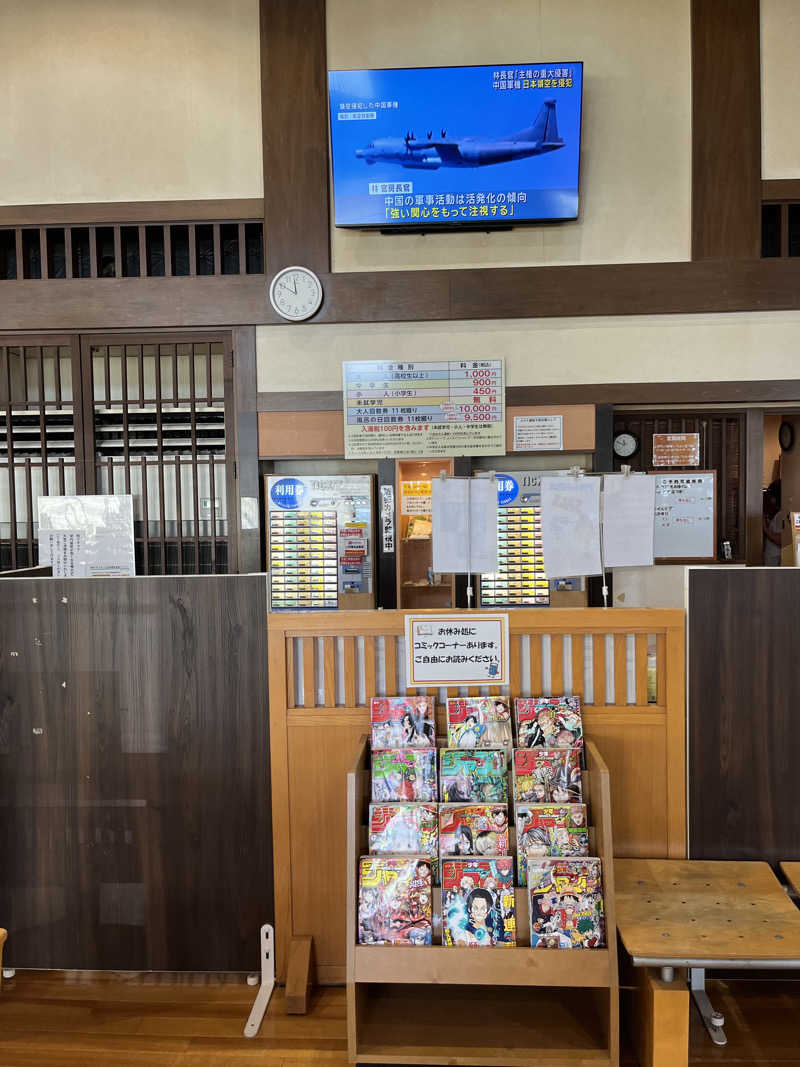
[{"x": 438, "y": 147}]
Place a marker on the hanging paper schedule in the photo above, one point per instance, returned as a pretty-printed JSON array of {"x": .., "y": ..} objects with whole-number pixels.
[{"x": 443, "y": 408}]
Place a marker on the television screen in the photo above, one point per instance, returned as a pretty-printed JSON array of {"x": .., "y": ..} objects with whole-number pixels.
[{"x": 429, "y": 147}]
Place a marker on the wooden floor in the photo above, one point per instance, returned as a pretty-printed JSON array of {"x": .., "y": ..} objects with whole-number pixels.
[{"x": 65, "y": 1019}]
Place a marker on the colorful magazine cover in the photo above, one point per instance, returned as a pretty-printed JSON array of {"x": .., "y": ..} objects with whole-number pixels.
[
  {"x": 402, "y": 722},
  {"x": 395, "y": 900},
  {"x": 550, "y": 830},
  {"x": 566, "y": 903},
  {"x": 478, "y": 902},
  {"x": 549, "y": 722},
  {"x": 473, "y": 776},
  {"x": 473, "y": 830},
  {"x": 404, "y": 774},
  {"x": 547, "y": 776},
  {"x": 479, "y": 722},
  {"x": 404, "y": 828}
]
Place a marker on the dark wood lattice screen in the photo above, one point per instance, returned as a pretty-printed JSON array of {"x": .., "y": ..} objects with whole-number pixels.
[
  {"x": 721, "y": 450},
  {"x": 146, "y": 417}
]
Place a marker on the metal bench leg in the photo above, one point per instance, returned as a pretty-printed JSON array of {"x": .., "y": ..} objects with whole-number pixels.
[{"x": 714, "y": 1020}]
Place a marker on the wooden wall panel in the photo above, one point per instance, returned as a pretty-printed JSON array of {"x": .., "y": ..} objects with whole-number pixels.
[
  {"x": 744, "y": 730},
  {"x": 578, "y": 425},
  {"x": 134, "y": 779},
  {"x": 300, "y": 433},
  {"x": 294, "y": 121},
  {"x": 726, "y": 129}
]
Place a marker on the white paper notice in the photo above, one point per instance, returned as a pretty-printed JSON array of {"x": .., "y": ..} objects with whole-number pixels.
[
  {"x": 629, "y": 504},
  {"x": 482, "y": 526},
  {"x": 464, "y": 526},
  {"x": 464, "y": 649},
  {"x": 538, "y": 433},
  {"x": 571, "y": 526}
]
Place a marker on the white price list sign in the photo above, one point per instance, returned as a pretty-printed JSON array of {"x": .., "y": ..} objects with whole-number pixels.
[{"x": 462, "y": 649}]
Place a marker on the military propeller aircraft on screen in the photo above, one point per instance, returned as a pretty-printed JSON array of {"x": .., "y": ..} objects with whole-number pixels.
[{"x": 432, "y": 153}]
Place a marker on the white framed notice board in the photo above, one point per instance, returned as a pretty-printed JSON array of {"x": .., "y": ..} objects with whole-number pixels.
[{"x": 685, "y": 516}]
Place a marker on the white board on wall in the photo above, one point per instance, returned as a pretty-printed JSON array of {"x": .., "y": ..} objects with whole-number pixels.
[{"x": 685, "y": 520}]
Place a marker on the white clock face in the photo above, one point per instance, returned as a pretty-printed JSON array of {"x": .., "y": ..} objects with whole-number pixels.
[
  {"x": 296, "y": 293},
  {"x": 625, "y": 444}
]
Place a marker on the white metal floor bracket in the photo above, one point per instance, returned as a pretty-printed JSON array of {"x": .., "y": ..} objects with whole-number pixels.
[{"x": 260, "y": 1004}]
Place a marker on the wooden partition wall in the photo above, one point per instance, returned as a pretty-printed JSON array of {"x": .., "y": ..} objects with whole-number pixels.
[{"x": 627, "y": 666}]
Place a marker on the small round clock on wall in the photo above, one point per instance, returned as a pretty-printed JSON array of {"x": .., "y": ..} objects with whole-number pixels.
[
  {"x": 786, "y": 436},
  {"x": 296, "y": 293},
  {"x": 625, "y": 445}
]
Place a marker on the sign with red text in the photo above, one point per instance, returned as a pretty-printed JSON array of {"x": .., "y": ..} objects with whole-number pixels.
[{"x": 395, "y": 410}]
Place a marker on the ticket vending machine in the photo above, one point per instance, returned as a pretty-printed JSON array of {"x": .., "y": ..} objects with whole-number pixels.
[{"x": 320, "y": 542}]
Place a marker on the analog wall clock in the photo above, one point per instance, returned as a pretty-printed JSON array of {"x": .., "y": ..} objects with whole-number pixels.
[
  {"x": 786, "y": 436},
  {"x": 625, "y": 445},
  {"x": 296, "y": 293}
]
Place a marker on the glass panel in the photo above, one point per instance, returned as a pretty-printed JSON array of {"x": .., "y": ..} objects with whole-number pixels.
[
  {"x": 179, "y": 239},
  {"x": 794, "y": 229},
  {"x": 104, "y": 240},
  {"x": 31, "y": 254},
  {"x": 254, "y": 242},
  {"x": 81, "y": 260},
  {"x": 770, "y": 230},
  {"x": 132, "y": 368},
  {"x": 229, "y": 245},
  {"x": 154, "y": 241},
  {"x": 115, "y": 371},
  {"x": 167, "y": 387},
  {"x": 32, "y": 373},
  {"x": 65, "y": 362},
  {"x": 129, "y": 235},
  {"x": 50, "y": 355},
  {"x": 149, "y": 365},
  {"x": 8, "y": 255},
  {"x": 99, "y": 374},
  {"x": 217, "y": 377},
  {"x": 56, "y": 254},
  {"x": 204, "y": 248}
]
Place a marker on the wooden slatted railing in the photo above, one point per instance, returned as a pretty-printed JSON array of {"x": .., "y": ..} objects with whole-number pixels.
[{"x": 626, "y": 665}]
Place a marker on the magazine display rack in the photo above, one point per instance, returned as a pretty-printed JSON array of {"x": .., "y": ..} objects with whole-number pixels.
[{"x": 501, "y": 1006}]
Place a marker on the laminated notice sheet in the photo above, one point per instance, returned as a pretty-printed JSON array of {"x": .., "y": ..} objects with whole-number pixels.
[
  {"x": 629, "y": 503},
  {"x": 464, "y": 525},
  {"x": 571, "y": 526}
]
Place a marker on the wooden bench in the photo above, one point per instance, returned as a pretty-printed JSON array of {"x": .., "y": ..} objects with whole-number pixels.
[
  {"x": 695, "y": 914},
  {"x": 791, "y": 871}
]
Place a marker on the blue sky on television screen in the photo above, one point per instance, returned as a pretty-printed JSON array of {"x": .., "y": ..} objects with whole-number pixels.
[{"x": 439, "y": 146}]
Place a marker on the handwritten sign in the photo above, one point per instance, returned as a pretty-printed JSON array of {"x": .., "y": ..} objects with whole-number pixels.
[
  {"x": 676, "y": 449},
  {"x": 445, "y": 408},
  {"x": 538, "y": 433},
  {"x": 459, "y": 649}
]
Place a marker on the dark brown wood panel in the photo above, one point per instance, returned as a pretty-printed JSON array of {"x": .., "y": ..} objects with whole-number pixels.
[
  {"x": 294, "y": 120},
  {"x": 726, "y": 129},
  {"x": 408, "y": 296},
  {"x": 744, "y": 731},
  {"x": 132, "y": 211},
  {"x": 134, "y": 773},
  {"x": 753, "y": 486},
  {"x": 773, "y": 189}
]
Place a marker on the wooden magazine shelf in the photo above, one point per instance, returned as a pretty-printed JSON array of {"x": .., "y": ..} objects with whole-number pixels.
[{"x": 500, "y": 1006}]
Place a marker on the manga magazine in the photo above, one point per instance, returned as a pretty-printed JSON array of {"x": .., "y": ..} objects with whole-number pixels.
[
  {"x": 478, "y": 902},
  {"x": 395, "y": 900},
  {"x": 404, "y": 774},
  {"x": 473, "y": 776},
  {"x": 473, "y": 830},
  {"x": 549, "y": 722},
  {"x": 550, "y": 830},
  {"x": 402, "y": 722},
  {"x": 479, "y": 722},
  {"x": 566, "y": 903},
  {"x": 547, "y": 776},
  {"x": 398, "y": 828}
]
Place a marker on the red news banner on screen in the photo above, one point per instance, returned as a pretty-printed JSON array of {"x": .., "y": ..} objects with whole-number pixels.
[{"x": 396, "y": 410}]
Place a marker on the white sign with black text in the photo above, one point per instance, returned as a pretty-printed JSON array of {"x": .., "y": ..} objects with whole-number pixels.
[{"x": 460, "y": 649}]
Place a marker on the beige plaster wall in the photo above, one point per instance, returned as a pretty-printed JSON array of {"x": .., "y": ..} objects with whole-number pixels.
[
  {"x": 636, "y": 151},
  {"x": 732, "y": 347},
  {"x": 780, "y": 88},
  {"x": 107, "y": 100}
]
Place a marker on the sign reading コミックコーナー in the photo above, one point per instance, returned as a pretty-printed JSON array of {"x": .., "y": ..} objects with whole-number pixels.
[
  {"x": 401, "y": 410},
  {"x": 461, "y": 649}
]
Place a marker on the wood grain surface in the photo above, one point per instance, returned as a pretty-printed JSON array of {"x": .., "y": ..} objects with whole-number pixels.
[
  {"x": 134, "y": 798},
  {"x": 704, "y": 909}
]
